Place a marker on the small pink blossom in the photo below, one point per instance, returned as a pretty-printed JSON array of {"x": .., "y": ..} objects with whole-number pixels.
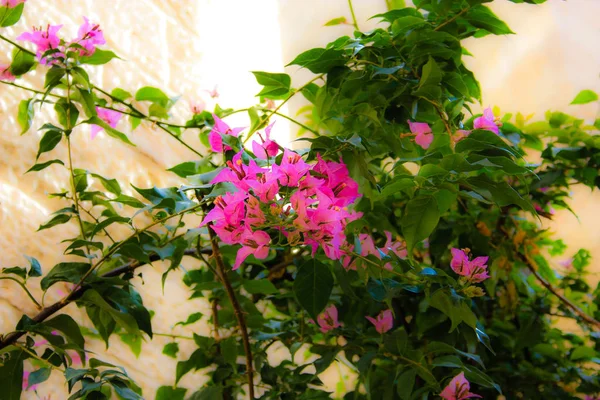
[
  {"x": 424, "y": 136},
  {"x": 89, "y": 36},
  {"x": 44, "y": 39},
  {"x": 458, "y": 389},
  {"x": 460, "y": 135},
  {"x": 221, "y": 128},
  {"x": 197, "y": 106},
  {"x": 5, "y": 74},
  {"x": 328, "y": 319},
  {"x": 11, "y": 3},
  {"x": 291, "y": 169},
  {"x": 383, "y": 322},
  {"x": 474, "y": 270},
  {"x": 486, "y": 121},
  {"x": 256, "y": 243},
  {"x": 111, "y": 117},
  {"x": 568, "y": 263},
  {"x": 214, "y": 93},
  {"x": 268, "y": 148}
]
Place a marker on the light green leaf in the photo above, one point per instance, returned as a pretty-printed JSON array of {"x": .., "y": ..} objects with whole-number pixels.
[
  {"x": 421, "y": 216},
  {"x": 584, "y": 97}
]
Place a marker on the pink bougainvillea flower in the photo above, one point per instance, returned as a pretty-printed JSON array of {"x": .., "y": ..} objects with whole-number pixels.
[
  {"x": 458, "y": 389},
  {"x": 89, "y": 36},
  {"x": 268, "y": 148},
  {"x": 460, "y": 135},
  {"x": 291, "y": 169},
  {"x": 214, "y": 93},
  {"x": 424, "y": 136},
  {"x": 44, "y": 39},
  {"x": 11, "y": 3},
  {"x": 197, "y": 106},
  {"x": 256, "y": 243},
  {"x": 111, "y": 117},
  {"x": 474, "y": 270},
  {"x": 5, "y": 74},
  {"x": 338, "y": 185},
  {"x": 383, "y": 322},
  {"x": 486, "y": 121},
  {"x": 568, "y": 263},
  {"x": 221, "y": 128},
  {"x": 328, "y": 319}
]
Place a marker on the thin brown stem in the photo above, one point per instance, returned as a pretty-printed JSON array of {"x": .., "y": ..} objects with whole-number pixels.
[
  {"x": 236, "y": 307},
  {"x": 532, "y": 266},
  {"x": 47, "y": 312},
  {"x": 440, "y": 26}
]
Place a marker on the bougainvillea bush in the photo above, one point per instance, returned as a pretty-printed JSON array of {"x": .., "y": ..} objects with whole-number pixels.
[{"x": 401, "y": 237}]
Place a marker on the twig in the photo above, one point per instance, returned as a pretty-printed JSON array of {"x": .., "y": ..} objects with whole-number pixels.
[
  {"x": 354, "y": 23},
  {"x": 437, "y": 28},
  {"x": 236, "y": 307},
  {"x": 585, "y": 317},
  {"x": 76, "y": 294},
  {"x": 10, "y": 278}
]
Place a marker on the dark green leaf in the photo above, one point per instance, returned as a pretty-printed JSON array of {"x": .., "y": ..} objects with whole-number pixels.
[
  {"x": 262, "y": 286},
  {"x": 11, "y": 374},
  {"x": 320, "y": 60},
  {"x": 482, "y": 17},
  {"x": 49, "y": 141},
  {"x": 170, "y": 393},
  {"x": 421, "y": 216},
  {"x": 56, "y": 220},
  {"x": 38, "y": 376},
  {"x": 65, "y": 272},
  {"x": 171, "y": 349},
  {"x": 35, "y": 269},
  {"x": 41, "y": 166},
  {"x": 22, "y": 62},
  {"x": 312, "y": 287}
]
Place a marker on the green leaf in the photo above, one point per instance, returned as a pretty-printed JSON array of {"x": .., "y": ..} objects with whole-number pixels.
[
  {"x": 405, "y": 24},
  {"x": 421, "y": 216},
  {"x": 35, "y": 269},
  {"x": 95, "y": 120},
  {"x": 312, "y": 287},
  {"x": 19, "y": 271},
  {"x": 261, "y": 286},
  {"x": 41, "y": 166},
  {"x": 22, "y": 62},
  {"x": 158, "y": 111},
  {"x": 229, "y": 351},
  {"x": 11, "y": 374},
  {"x": 112, "y": 185},
  {"x": 336, "y": 21},
  {"x": 121, "y": 94},
  {"x": 129, "y": 201},
  {"x": 9, "y": 17},
  {"x": 87, "y": 103},
  {"x": 188, "y": 168},
  {"x": 38, "y": 376},
  {"x": 191, "y": 319},
  {"x": 109, "y": 221},
  {"x": 406, "y": 383},
  {"x": 208, "y": 393},
  {"x": 197, "y": 360},
  {"x": 155, "y": 95},
  {"x": 499, "y": 192},
  {"x": 275, "y": 85},
  {"x": 56, "y": 220},
  {"x": 65, "y": 272},
  {"x": 171, "y": 349},
  {"x": 99, "y": 57},
  {"x": 482, "y": 17},
  {"x": 584, "y": 97},
  {"x": 431, "y": 74},
  {"x": 320, "y": 60},
  {"x": 170, "y": 393},
  {"x": 49, "y": 141},
  {"x": 124, "y": 320},
  {"x": 26, "y": 114},
  {"x": 53, "y": 77},
  {"x": 69, "y": 328}
]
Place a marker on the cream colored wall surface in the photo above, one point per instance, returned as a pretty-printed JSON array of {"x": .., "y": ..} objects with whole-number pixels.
[{"x": 187, "y": 46}]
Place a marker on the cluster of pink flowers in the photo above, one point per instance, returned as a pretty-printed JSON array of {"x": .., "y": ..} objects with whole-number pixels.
[
  {"x": 11, "y": 3},
  {"x": 458, "y": 389},
  {"x": 89, "y": 36},
  {"x": 308, "y": 204},
  {"x": 474, "y": 270},
  {"x": 367, "y": 247},
  {"x": 424, "y": 135}
]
